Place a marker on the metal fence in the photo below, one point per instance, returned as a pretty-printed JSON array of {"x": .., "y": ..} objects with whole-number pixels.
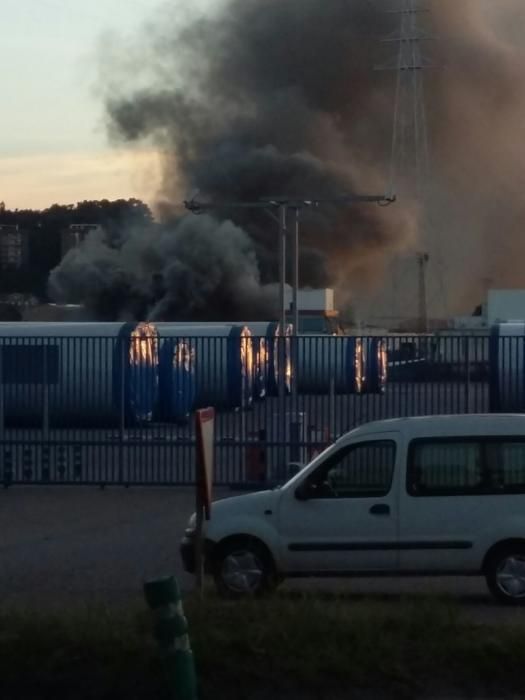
[{"x": 118, "y": 409}]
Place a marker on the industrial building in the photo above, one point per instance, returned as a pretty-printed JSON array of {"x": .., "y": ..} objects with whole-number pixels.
[
  {"x": 317, "y": 312},
  {"x": 501, "y": 306},
  {"x": 13, "y": 247}
]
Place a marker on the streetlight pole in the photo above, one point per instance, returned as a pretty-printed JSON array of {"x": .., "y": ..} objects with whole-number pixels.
[
  {"x": 295, "y": 271},
  {"x": 298, "y": 204},
  {"x": 282, "y": 204},
  {"x": 282, "y": 265}
]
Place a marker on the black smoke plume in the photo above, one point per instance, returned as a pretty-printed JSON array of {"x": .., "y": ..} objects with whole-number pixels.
[{"x": 259, "y": 99}]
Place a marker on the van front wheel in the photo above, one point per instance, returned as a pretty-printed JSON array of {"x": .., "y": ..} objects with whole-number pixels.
[
  {"x": 506, "y": 574},
  {"x": 244, "y": 568}
]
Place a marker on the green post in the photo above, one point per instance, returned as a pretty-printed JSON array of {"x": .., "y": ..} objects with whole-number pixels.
[{"x": 171, "y": 632}]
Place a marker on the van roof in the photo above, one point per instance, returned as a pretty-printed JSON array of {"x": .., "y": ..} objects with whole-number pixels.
[{"x": 443, "y": 425}]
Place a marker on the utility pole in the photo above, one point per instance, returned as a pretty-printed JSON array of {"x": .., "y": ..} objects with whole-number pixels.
[
  {"x": 297, "y": 204},
  {"x": 282, "y": 268},
  {"x": 295, "y": 271},
  {"x": 283, "y": 205},
  {"x": 422, "y": 261}
]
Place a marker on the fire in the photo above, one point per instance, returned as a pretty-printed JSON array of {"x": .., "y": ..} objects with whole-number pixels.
[
  {"x": 359, "y": 365},
  {"x": 263, "y": 353},
  {"x": 247, "y": 351},
  {"x": 144, "y": 345},
  {"x": 288, "y": 361},
  {"x": 382, "y": 362},
  {"x": 184, "y": 355}
]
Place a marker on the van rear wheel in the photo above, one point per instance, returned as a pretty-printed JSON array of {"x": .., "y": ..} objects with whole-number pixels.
[
  {"x": 506, "y": 575},
  {"x": 243, "y": 568}
]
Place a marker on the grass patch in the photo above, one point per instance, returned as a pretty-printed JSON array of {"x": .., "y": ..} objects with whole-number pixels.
[{"x": 314, "y": 646}]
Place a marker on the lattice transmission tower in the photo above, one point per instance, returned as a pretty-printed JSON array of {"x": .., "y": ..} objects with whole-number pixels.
[{"x": 410, "y": 167}]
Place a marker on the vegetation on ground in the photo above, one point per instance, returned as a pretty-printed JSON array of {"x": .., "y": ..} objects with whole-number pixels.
[{"x": 296, "y": 647}]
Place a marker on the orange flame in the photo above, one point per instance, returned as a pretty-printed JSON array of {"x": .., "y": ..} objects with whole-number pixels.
[{"x": 144, "y": 345}]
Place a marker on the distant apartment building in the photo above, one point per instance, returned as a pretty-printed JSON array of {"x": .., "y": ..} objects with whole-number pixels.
[
  {"x": 75, "y": 234},
  {"x": 13, "y": 247}
]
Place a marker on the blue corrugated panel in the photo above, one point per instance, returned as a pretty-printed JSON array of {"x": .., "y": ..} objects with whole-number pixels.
[
  {"x": 177, "y": 380},
  {"x": 355, "y": 365},
  {"x": 376, "y": 362},
  {"x": 136, "y": 364}
]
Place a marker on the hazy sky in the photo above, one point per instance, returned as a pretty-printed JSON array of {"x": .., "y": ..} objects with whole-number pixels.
[{"x": 53, "y": 146}]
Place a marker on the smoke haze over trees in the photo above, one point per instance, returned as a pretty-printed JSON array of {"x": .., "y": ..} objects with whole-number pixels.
[{"x": 44, "y": 228}]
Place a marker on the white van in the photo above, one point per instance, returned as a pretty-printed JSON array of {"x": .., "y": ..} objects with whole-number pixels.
[{"x": 439, "y": 495}]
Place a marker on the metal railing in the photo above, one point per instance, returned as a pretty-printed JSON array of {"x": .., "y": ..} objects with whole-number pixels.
[{"x": 118, "y": 410}]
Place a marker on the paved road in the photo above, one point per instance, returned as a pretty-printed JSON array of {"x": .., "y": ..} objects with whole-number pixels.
[{"x": 81, "y": 546}]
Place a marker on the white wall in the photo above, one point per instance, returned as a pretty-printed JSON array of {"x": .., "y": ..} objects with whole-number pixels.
[
  {"x": 468, "y": 323},
  {"x": 312, "y": 299},
  {"x": 505, "y": 305}
]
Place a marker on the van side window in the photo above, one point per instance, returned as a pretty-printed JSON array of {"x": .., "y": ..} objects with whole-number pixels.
[
  {"x": 441, "y": 467},
  {"x": 357, "y": 471},
  {"x": 506, "y": 466}
]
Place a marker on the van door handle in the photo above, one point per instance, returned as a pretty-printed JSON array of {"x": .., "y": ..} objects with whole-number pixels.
[{"x": 380, "y": 509}]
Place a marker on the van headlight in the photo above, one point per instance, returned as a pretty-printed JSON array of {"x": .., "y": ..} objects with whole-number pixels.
[{"x": 191, "y": 526}]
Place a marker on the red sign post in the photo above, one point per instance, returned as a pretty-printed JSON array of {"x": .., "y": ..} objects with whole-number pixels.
[{"x": 205, "y": 433}]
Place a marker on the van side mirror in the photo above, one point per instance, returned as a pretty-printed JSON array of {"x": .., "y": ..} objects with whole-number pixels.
[{"x": 303, "y": 492}]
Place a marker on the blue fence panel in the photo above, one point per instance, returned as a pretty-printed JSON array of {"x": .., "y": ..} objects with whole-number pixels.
[{"x": 115, "y": 406}]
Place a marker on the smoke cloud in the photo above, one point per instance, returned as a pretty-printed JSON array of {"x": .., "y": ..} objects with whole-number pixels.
[
  {"x": 259, "y": 99},
  {"x": 166, "y": 272},
  {"x": 477, "y": 108}
]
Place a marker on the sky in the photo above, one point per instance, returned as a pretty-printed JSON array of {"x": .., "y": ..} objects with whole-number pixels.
[{"x": 53, "y": 143}]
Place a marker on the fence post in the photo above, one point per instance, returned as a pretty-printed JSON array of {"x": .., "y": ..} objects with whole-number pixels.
[
  {"x": 171, "y": 632},
  {"x": 256, "y": 459},
  {"x": 2, "y": 405},
  {"x": 467, "y": 378},
  {"x": 7, "y": 466},
  {"x": 281, "y": 423},
  {"x": 45, "y": 407},
  {"x": 45, "y": 472},
  {"x": 122, "y": 416},
  {"x": 332, "y": 400}
]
